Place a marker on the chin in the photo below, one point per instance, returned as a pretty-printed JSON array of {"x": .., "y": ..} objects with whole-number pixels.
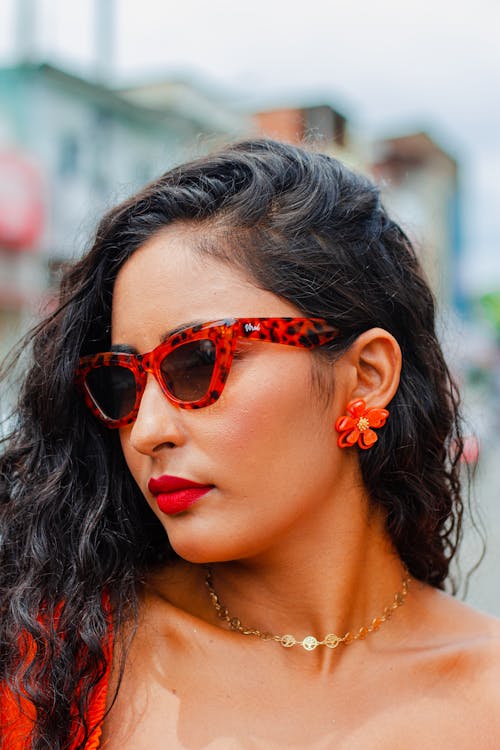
[{"x": 208, "y": 547}]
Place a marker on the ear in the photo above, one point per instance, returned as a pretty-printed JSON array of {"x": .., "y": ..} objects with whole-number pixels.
[{"x": 371, "y": 368}]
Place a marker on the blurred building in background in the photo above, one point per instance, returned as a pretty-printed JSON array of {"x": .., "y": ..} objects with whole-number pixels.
[
  {"x": 319, "y": 124},
  {"x": 419, "y": 182},
  {"x": 70, "y": 148},
  {"x": 296, "y": 124}
]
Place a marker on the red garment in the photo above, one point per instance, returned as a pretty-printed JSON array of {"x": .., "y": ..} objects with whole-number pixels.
[{"x": 16, "y": 721}]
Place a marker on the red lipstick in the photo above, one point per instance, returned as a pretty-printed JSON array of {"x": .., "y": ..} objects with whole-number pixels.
[{"x": 175, "y": 494}]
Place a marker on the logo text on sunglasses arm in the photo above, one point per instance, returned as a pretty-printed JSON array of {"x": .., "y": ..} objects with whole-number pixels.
[{"x": 249, "y": 327}]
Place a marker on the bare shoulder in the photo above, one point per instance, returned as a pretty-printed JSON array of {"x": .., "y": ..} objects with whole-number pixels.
[
  {"x": 454, "y": 619},
  {"x": 476, "y": 628},
  {"x": 478, "y": 671},
  {"x": 483, "y": 647},
  {"x": 480, "y": 642},
  {"x": 464, "y": 644}
]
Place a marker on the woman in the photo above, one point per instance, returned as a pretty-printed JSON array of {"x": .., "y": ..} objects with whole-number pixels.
[{"x": 240, "y": 403}]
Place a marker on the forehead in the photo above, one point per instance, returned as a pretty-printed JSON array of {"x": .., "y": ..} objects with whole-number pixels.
[{"x": 168, "y": 282}]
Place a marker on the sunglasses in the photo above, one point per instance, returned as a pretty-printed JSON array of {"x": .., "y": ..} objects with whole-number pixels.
[{"x": 191, "y": 366}]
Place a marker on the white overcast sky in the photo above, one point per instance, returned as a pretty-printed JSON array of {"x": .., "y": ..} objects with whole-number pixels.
[{"x": 391, "y": 66}]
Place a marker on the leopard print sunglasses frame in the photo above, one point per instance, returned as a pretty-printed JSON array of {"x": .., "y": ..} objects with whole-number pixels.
[{"x": 98, "y": 375}]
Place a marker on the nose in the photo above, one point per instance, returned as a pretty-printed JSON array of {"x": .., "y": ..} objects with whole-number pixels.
[{"x": 158, "y": 421}]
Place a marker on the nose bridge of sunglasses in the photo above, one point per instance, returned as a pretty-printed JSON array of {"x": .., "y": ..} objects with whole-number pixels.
[
  {"x": 148, "y": 373},
  {"x": 145, "y": 364}
]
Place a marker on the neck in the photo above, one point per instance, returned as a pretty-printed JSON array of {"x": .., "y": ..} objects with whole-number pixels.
[{"x": 338, "y": 584}]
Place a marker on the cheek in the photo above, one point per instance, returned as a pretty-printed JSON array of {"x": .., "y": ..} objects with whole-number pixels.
[
  {"x": 275, "y": 434},
  {"x": 273, "y": 461}
]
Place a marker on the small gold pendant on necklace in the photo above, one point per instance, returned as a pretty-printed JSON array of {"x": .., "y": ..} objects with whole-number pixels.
[{"x": 309, "y": 643}]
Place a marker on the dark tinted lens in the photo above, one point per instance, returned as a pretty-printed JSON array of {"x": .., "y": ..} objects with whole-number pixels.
[
  {"x": 113, "y": 390},
  {"x": 187, "y": 370}
]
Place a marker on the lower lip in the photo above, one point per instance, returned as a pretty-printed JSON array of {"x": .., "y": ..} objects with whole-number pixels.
[{"x": 176, "y": 502}]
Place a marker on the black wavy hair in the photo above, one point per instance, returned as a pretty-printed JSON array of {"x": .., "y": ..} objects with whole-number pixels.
[{"x": 73, "y": 524}]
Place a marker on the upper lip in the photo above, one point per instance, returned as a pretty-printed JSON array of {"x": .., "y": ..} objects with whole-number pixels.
[{"x": 168, "y": 483}]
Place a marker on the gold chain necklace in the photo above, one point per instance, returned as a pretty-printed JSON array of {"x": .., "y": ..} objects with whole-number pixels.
[{"x": 309, "y": 643}]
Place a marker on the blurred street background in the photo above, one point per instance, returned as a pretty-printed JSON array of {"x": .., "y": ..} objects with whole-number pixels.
[{"x": 100, "y": 96}]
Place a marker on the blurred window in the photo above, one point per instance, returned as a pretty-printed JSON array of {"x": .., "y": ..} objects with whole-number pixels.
[{"x": 68, "y": 155}]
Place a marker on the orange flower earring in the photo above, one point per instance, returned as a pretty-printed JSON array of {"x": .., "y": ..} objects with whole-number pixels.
[{"x": 355, "y": 426}]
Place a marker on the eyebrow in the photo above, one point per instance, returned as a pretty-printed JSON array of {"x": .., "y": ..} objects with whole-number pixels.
[
  {"x": 122, "y": 348},
  {"x": 127, "y": 349},
  {"x": 175, "y": 330}
]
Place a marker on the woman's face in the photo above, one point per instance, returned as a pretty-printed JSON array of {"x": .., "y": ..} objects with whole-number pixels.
[{"x": 267, "y": 447}]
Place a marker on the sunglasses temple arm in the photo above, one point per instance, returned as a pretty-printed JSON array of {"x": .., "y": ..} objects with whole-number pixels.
[{"x": 251, "y": 329}]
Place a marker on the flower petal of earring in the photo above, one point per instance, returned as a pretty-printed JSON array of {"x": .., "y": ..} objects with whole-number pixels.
[{"x": 355, "y": 426}]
